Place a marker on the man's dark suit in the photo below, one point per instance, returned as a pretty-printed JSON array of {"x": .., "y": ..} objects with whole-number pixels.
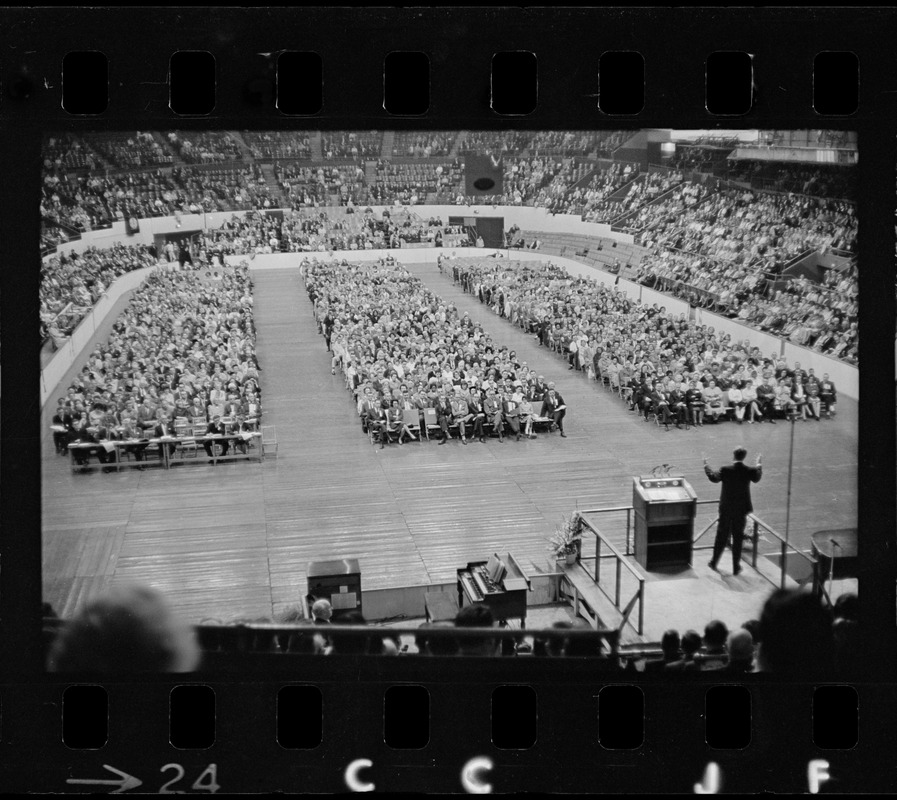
[
  {"x": 212, "y": 429},
  {"x": 734, "y": 506}
]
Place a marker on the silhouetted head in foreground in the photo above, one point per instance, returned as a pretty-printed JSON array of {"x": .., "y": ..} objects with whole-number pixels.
[
  {"x": 127, "y": 630},
  {"x": 795, "y": 635}
]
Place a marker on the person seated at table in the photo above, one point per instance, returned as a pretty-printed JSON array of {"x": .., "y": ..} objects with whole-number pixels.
[
  {"x": 129, "y": 430},
  {"x": 105, "y": 434},
  {"x": 215, "y": 428},
  {"x": 165, "y": 427},
  {"x": 63, "y": 418},
  {"x": 81, "y": 435},
  {"x": 241, "y": 426}
]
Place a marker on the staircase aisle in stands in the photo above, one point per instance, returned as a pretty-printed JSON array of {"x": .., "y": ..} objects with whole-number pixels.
[
  {"x": 389, "y": 138},
  {"x": 317, "y": 153},
  {"x": 281, "y": 200}
]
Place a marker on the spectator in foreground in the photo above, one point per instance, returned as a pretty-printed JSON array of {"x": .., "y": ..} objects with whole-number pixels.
[
  {"x": 477, "y": 615},
  {"x": 795, "y": 635},
  {"x": 715, "y": 633},
  {"x": 691, "y": 643},
  {"x": 669, "y": 643},
  {"x": 128, "y": 630}
]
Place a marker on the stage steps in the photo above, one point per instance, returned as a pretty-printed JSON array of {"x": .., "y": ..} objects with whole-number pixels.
[{"x": 590, "y": 602}]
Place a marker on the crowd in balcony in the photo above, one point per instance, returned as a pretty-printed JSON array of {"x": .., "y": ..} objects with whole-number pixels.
[
  {"x": 204, "y": 147},
  {"x": 414, "y": 184},
  {"x": 267, "y": 145},
  {"x": 138, "y": 150},
  {"x": 646, "y": 189},
  {"x": 423, "y": 144},
  {"x": 72, "y": 283},
  {"x": 351, "y": 144}
]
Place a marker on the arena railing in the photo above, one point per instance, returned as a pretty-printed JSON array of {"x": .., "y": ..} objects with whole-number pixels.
[{"x": 289, "y": 639}]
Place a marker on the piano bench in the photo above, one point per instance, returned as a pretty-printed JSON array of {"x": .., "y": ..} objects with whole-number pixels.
[{"x": 441, "y": 606}]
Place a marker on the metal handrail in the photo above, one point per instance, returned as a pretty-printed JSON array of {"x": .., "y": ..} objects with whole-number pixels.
[{"x": 620, "y": 561}]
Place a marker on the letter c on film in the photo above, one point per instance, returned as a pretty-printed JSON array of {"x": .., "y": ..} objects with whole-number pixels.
[
  {"x": 472, "y": 773},
  {"x": 352, "y": 771}
]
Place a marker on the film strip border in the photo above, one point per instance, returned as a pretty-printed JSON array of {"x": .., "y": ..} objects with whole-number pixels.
[
  {"x": 675, "y": 46},
  {"x": 507, "y": 735}
]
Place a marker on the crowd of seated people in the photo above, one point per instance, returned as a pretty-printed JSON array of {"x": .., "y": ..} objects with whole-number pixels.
[
  {"x": 746, "y": 226},
  {"x": 65, "y": 151},
  {"x": 278, "y": 144},
  {"x": 664, "y": 367},
  {"x": 571, "y": 143},
  {"x": 584, "y": 200},
  {"x": 423, "y": 144},
  {"x": 646, "y": 189},
  {"x": 314, "y": 186},
  {"x": 71, "y": 284},
  {"x": 204, "y": 147},
  {"x": 184, "y": 347},
  {"x": 132, "y": 629},
  {"x": 412, "y": 184},
  {"x": 312, "y": 230},
  {"x": 402, "y": 349},
  {"x": 351, "y": 144},
  {"x": 654, "y": 216},
  {"x": 541, "y": 182},
  {"x": 493, "y": 142},
  {"x": 129, "y": 150}
]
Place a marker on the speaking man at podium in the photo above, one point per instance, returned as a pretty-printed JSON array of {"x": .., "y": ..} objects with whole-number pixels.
[{"x": 734, "y": 504}]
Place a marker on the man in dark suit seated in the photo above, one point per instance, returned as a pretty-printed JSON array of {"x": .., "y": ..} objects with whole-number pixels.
[
  {"x": 553, "y": 406},
  {"x": 165, "y": 427},
  {"x": 215, "y": 428},
  {"x": 734, "y": 504},
  {"x": 64, "y": 419}
]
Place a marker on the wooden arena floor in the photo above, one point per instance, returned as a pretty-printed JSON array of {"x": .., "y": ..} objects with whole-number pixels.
[{"x": 235, "y": 539}]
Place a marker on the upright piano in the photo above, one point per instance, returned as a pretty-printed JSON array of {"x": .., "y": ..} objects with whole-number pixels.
[{"x": 500, "y": 583}]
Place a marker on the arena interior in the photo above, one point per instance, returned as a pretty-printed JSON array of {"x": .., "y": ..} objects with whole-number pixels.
[{"x": 392, "y": 355}]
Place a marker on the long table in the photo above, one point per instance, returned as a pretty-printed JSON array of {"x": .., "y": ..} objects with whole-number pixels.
[{"x": 169, "y": 455}]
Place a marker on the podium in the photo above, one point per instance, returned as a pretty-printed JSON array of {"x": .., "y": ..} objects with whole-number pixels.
[
  {"x": 665, "y": 511},
  {"x": 337, "y": 581}
]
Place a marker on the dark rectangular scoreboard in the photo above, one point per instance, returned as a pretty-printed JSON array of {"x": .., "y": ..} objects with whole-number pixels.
[{"x": 664, "y": 520}]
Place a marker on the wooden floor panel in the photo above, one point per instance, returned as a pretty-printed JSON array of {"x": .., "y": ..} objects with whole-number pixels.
[{"x": 236, "y": 539}]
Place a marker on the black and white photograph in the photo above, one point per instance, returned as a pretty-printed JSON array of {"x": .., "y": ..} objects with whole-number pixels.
[
  {"x": 257, "y": 344},
  {"x": 404, "y": 424}
]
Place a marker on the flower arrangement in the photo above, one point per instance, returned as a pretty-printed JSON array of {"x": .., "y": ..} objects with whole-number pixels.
[{"x": 567, "y": 537}]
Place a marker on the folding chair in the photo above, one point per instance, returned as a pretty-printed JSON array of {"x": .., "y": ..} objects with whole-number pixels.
[
  {"x": 411, "y": 420},
  {"x": 269, "y": 439},
  {"x": 430, "y": 421}
]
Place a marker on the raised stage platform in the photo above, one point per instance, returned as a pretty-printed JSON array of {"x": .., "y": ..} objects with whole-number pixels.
[{"x": 234, "y": 540}]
